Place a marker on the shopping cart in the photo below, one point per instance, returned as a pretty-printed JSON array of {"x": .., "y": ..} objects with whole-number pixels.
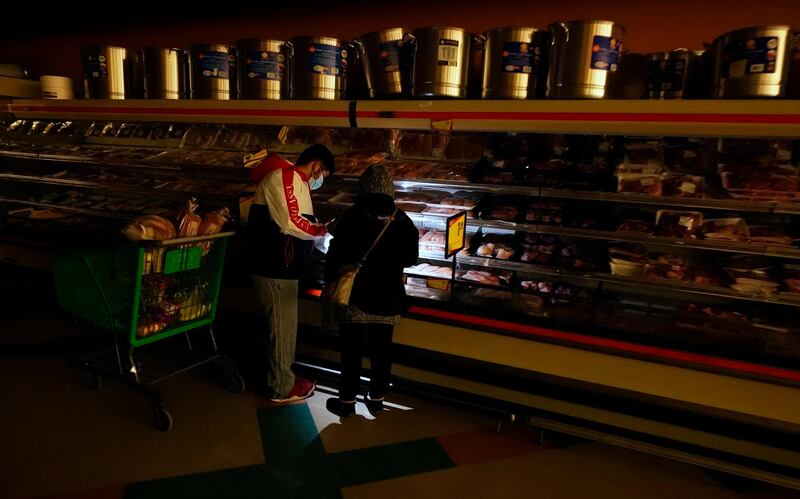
[{"x": 144, "y": 293}]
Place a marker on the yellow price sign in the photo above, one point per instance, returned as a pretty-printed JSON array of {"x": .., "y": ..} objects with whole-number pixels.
[
  {"x": 456, "y": 236},
  {"x": 441, "y": 284}
]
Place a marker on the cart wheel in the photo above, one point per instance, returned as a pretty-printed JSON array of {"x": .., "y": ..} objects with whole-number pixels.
[
  {"x": 91, "y": 380},
  {"x": 162, "y": 420},
  {"x": 234, "y": 382}
]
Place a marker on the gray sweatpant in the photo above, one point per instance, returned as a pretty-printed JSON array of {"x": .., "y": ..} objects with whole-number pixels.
[{"x": 278, "y": 298}]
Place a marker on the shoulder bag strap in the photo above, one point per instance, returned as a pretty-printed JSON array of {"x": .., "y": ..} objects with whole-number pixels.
[{"x": 375, "y": 242}]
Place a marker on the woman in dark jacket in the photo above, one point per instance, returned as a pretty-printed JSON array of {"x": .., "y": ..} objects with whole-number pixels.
[{"x": 378, "y": 295}]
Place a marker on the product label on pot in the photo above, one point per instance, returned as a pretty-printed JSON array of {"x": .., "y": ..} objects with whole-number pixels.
[
  {"x": 264, "y": 65},
  {"x": 213, "y": 64},
  {"x": 666, "y": 75},
  {"x": 448, "y": 52},
  {"x": 606, "y": 53},
  {"x": 517, "y": 57},
  {"x": 750, "y": 56},
  {"x": 326, "y": 59},
  {"x": 96, "y": 65},
  {"x": 390, "y": 57}
]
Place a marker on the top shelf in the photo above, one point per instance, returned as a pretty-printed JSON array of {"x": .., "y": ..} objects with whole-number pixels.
[{"x": 779, "y": 119}]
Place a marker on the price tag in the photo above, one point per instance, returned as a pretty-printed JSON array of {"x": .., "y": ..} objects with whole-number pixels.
[
  {"x": 441, "y": 284},
  {"x": 442, "y": 125},
  {"x": 456, "y": 234}
]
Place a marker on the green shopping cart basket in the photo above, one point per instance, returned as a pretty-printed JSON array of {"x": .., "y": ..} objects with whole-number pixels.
[{"x": 143, "y": 293}]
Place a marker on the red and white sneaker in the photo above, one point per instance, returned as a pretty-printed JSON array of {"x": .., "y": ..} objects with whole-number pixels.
[{"x": 302, "y": 389}]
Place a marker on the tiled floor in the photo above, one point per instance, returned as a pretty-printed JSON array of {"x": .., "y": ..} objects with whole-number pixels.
[
  {"x": 57, "y": 439},
  {"x": 60, "y": 440}
]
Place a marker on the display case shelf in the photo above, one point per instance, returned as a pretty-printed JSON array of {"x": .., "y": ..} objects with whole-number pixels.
[
  {"x": 647, "y": 239},
  {"x": 112, "y": 188},
  {"x": 68, "y": 209},
  {"x": 681, "y": 118},
  {"x": 624, "y": 198},
  {"x": 790, "y": 299},
  {"x": 256, "y": 112}
]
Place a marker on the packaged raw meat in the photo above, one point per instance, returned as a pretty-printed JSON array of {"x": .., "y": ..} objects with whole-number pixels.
[
  {"x": 573, "y": 256},
  {"x": 639, "y": 183},
  {"x": 545, "y": 213},
  {"x": 539, "y": 249},
  {"x": 770, "y": 234},
  {"x": 705, "y": 277},
  {"x": 149, "y": 228},
  {"x": 646, "y": 169},
  {"x": 431, "y": 240},
  {"x": 418, "y": 197},
  {"x": 411, "y": 207},
  {"x": 761, "y": 185},
  {"x": 370, "y": 157},
  {"x": 684, "y": 186},
  {"x": 714, "y": 312},
  {"x": 492, "y": 277},
  {"x": 665, "y": 272},
  {"x": 430, "y": 270},
  {"x": 411, "y": 170},
  {"x": 506, "y": 213},
  {"x": 670, "y": 259},
  {"x": 188, "y": 221},
  {"x": 459, "y": 202},
  {"x": 634, "y": 225},
  {"x": 498, "y": 177},
  {"x": 680, "y": 224},
  {"x": 725, "y": 229},
  {"x": 499, "y": 208},
  {"x": 435, "y": 210}
]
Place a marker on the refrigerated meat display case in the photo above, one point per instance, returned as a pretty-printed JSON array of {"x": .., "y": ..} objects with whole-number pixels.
[{"x": 631, "y": 271}]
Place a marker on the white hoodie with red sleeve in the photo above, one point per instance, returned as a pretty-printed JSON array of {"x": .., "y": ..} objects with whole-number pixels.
[
  {"x": 287, "y": 196},
  {"x": 281, "y": 228}
]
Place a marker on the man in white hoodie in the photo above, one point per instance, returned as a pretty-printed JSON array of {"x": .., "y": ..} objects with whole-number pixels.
[{"x": 281, "y": 233}]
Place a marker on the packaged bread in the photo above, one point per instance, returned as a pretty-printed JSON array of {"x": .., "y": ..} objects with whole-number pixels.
[
  {"x": 149, "y": 228},
  {"x": 213, "y": 222},
  {"x": 188, "y": 221}
]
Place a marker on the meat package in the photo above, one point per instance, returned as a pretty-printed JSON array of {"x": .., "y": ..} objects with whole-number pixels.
[
  {"x": 490, "y": 277},
  {"x": 556, "y": 291},
  {"x": 427, "y": 269},
  {"x": 640, "y": 183},
  {"x": 544, "y": 212},
  {"x": 680, "y": 224},
  {"x": 431, "y": 240},
  {"x": 505, "y": 208},
  {"x": 684, "y": 186},
  {"x": 538, "y": 248}
]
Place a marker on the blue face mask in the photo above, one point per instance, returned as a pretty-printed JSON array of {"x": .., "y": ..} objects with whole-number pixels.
[{"x": 315, "y": 183}]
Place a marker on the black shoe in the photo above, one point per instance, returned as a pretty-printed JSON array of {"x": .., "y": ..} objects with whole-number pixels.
[
  {"x": 374, "y": 405},
  {"x": 341, "y": 409}
]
